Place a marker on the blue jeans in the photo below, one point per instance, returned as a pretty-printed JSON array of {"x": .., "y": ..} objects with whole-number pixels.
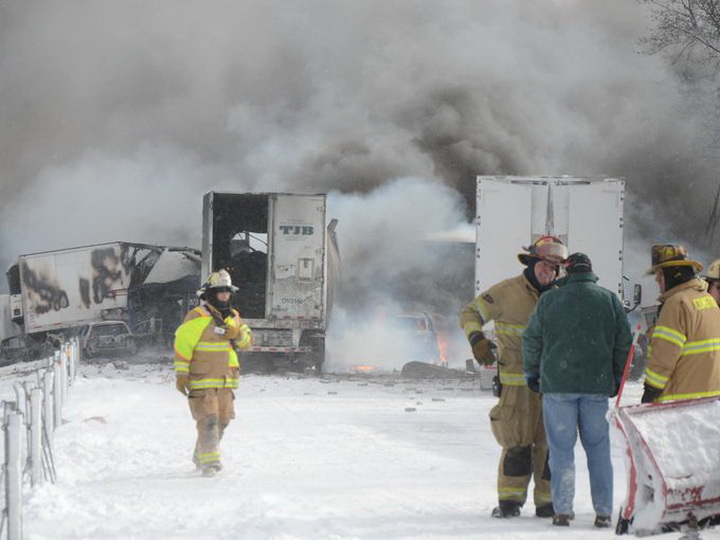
[{"x": 564, "y": 415}]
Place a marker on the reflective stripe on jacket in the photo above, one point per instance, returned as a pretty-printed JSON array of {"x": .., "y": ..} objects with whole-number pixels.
[
  {"x": 510, "y": 304},
  {"x": 684, "y": 352},
  {"x": 205, "y": 355}
]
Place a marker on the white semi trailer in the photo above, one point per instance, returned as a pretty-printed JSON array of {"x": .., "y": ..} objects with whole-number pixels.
[
  {"x": 586, "y": 213},
  {"x": 284, "y": 258}
]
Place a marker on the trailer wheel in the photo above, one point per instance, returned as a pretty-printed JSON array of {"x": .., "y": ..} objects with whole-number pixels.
[
  {"x": 315, "y": 358},
  {"x": 318, "y": 353}
]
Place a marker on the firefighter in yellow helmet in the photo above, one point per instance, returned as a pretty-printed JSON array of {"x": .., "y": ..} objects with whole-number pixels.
[
  {"x": 712, "y": 278},
  {"x": 516, "y": 420},
  {"x": 207, "y": 366},
  {"x": 684, "y": 352}
]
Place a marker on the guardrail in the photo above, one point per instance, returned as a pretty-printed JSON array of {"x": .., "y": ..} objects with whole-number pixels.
[{"x": 29, "y": 423}]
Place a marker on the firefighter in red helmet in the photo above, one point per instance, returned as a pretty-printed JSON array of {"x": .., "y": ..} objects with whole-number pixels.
[{"x": 516, "y": 420}]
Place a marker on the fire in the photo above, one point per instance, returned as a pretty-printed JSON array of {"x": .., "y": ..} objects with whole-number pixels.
[
  {"x": 443, "y": 346},
  {"x": 363, "y": 369}
]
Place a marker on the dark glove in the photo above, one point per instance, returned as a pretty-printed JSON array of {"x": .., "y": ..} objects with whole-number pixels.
[
  {"x": 650, "y": 394},
  {"x": 617, "y": 388},
  {"x": 533, "y": 383},
  {"x": 181, "y": 383},
  {"x": 482, "y": 348}
]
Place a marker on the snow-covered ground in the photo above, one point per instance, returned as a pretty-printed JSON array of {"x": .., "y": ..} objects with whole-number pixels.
[{"x": 331, "y": 458}]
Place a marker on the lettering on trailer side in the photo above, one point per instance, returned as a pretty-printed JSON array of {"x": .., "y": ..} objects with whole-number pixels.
[{"x": 297, "y": 230}]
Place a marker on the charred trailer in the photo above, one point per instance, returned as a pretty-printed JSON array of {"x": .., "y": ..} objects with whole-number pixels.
[
  {"x": 61, "y": 291},
  {"x": 283, "y": 258}
]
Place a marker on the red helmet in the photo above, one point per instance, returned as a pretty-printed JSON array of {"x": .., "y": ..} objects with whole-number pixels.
[{"x": 546, "y": 248}]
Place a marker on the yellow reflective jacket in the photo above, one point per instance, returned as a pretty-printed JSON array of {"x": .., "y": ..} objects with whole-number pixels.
[
  {"x": 203, "y": 349},
  {"x": 510, "y": 304},
  {"x": 684, "y": 352}
]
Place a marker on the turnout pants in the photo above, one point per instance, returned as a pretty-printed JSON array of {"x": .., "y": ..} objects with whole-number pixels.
[
  {"x": 517, "y": 424},
  {"x": 212, "y": 409}
]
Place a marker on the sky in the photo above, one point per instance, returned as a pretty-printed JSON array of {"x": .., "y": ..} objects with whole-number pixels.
[
  {"x": 117, "y": 116},
  {"x": 305, "y": 458}
]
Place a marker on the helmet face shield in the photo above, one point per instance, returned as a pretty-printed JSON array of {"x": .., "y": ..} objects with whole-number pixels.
[{"x": 222, "y": 289}]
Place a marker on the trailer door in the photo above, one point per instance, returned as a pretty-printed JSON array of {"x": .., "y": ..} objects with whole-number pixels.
[
  {"x": 503, "y": 224},
  {"x": 297, "y": 250},
  {"x": 595, "y": 221}
]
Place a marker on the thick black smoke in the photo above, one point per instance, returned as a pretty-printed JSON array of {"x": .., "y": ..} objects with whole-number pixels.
[{"x": 118, "y": 115}]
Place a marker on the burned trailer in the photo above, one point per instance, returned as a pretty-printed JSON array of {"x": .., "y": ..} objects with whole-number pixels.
[
  {"x": 284, "y": 259},
  {"x": 60, "y": 291}
]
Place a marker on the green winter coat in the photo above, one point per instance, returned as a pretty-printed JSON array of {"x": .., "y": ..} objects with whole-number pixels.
[{"x": 578, "y": 338}]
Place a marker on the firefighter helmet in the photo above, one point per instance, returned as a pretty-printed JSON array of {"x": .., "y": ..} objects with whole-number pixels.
[
  {"x": 666, "y": 255},
  {"x": 217, "y": 280},
  {"x": 546, "y": 248},
  {"x": 713, "y": 271}
]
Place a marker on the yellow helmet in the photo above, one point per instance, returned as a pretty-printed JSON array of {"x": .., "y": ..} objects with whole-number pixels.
[
  {"x": 713, "y": 271},
  {"x": 547, "y": 248},
  {"x": 217, "y": 280},
  {"x": 665, "y": 255}
]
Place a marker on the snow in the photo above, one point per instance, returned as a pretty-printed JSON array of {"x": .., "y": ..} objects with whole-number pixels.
[{"x": 342, "y": 457}]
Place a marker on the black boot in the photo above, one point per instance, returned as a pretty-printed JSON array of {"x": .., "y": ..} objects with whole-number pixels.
[
  {"x": 544, "y": 510},
  {"x": 506, "y": 509}
]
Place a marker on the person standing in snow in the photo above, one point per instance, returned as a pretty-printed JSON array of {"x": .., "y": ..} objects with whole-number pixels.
[
  {"x": 684, "y": 359},
  {"x": 207, "y": 367},
  {"x": 712, "y": 278},
  {"x": 574, "y": 353},
  {"x": 516, "y": 420}
]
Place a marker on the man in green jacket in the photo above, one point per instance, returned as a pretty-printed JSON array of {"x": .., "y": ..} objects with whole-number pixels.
[{"x": 574, "y": 351}]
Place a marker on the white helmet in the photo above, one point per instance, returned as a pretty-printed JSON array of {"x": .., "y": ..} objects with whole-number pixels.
[
  {"x": 217, "y": 280},
  {"x": 713, "y": 271}
]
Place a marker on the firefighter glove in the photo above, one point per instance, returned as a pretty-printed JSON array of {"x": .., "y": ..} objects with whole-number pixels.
[
  {"x": 181, "y": 383},
  {"x": 482, "y": 348},
  {"x": 650, "y": 394},
  {"x": 533, "y": 382}
]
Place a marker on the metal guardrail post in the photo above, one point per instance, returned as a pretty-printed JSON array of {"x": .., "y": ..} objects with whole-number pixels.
[
  {"x": 36, "y": 471},
  {"x": 63, "y": 376},
  {"x": 13, "y": 471},
  {"x": 72, "y": 356},
  {"x": 48, "y": 405},
  {"x": 57, "y": 393}
]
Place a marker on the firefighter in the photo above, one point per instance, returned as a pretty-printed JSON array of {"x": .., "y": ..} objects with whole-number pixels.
[
  {"x": 516, "y": 420},
  {"x": 207, "y": 367},
  {"x": 712, "y": 277},
  {"x": 684, "y": 352}
]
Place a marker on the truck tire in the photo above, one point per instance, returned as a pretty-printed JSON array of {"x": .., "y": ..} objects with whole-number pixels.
[{"x": 318, "y": 354}]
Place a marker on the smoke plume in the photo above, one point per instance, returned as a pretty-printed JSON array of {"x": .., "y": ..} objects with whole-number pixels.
[{"x": 118, "y": 115}]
